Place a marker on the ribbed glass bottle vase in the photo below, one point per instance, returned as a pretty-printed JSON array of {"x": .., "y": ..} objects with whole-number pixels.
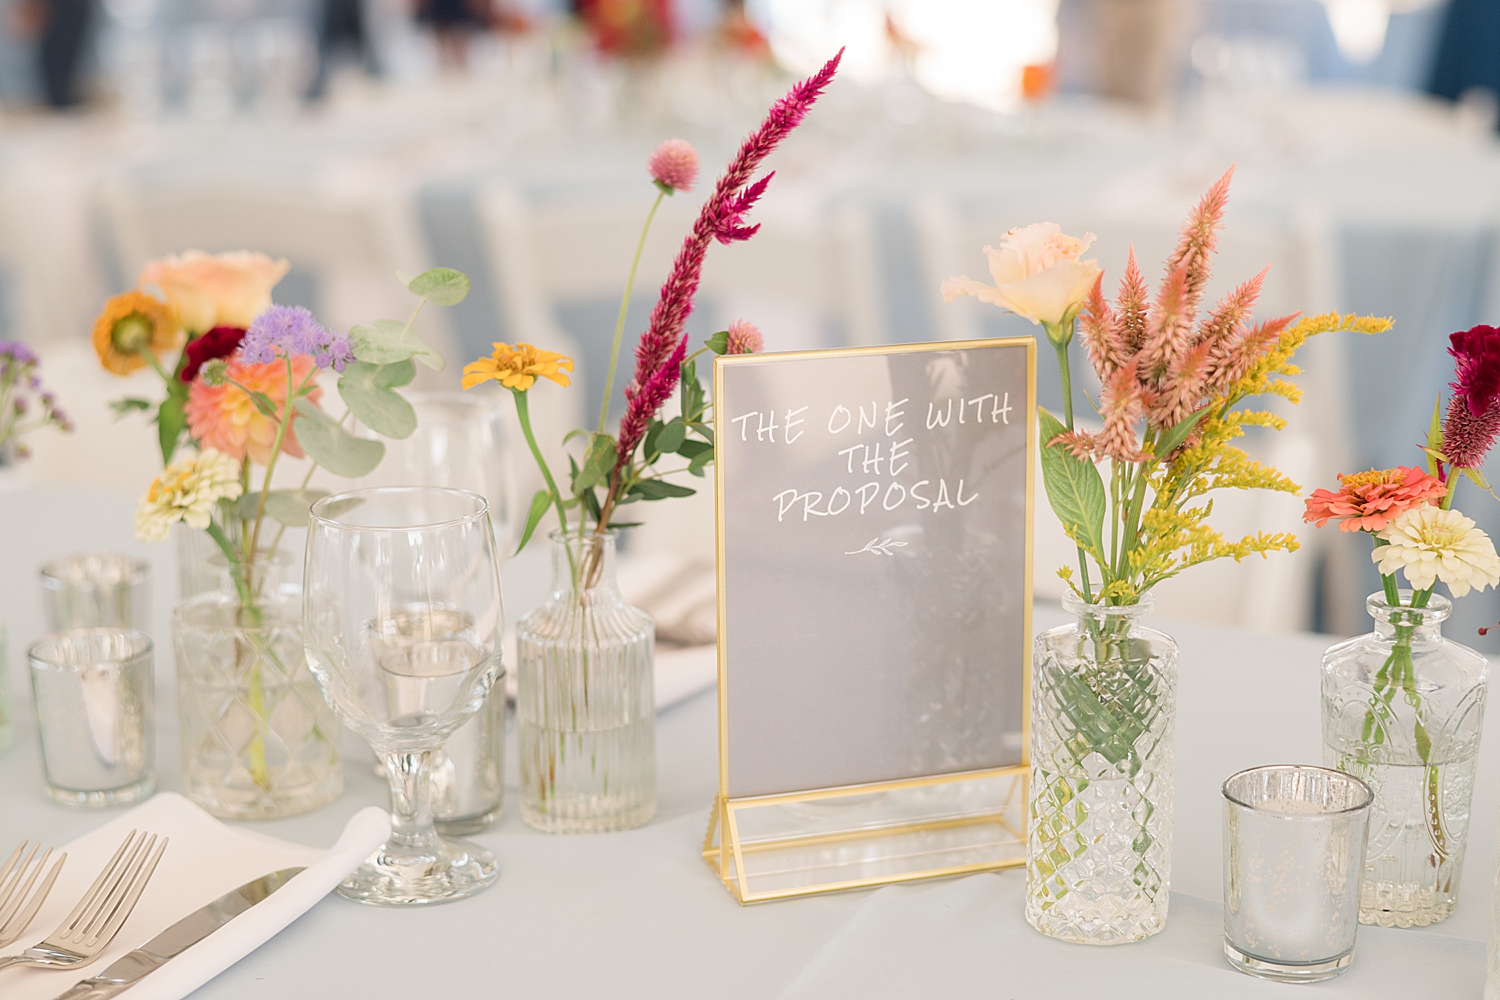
[
  {"x": 1099, "y": 830},
  {"x": 586, "y": 706},
  {"x": 1403, "y": 710}
]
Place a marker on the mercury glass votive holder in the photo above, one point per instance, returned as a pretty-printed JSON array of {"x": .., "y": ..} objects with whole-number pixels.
[
  {"x": 97, "y": 590},
  {"x": 1294, "y": 852},
  {"x": 94, "y": 694}
]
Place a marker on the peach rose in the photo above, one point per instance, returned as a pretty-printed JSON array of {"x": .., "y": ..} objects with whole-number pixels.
[
  {"x": 209, "y": 290},
  {"x": 1037, "y": 274}
]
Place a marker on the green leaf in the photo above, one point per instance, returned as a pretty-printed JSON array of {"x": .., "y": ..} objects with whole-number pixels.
[
  {"x": 289, "y": 507},
  {"x": 718, "y": 343},
  {"x": 1074, "y": 487},
  {"x": 1476, "y": 477},
  {"x": 693, "y": 451},
  {"x": 649, "y": 449},
  {"x": 171, "y": 421},
  {"x": 1435, "y": 436},
  {"x": 659, "y": 489},
  {"x": 1173, "y": 436},
  {"x": 124, "y": 406},
  {"x": 598, "y": 463},
  {"x": 390, "y": 341},
  {"x": 539, "y": 505},
  {"x": 590, "y": 501},
  {"x": 672, "y": 436},
  {"x": 442, "y": 286},
  {"x": 334, "y": 448},
  {"x": 366, "y": 390}
]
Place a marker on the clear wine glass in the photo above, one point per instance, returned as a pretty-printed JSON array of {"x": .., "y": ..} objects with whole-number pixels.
[{"x": 402, "y": 619}]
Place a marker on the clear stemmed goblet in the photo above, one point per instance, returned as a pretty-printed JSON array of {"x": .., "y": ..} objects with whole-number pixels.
[{"x": 402, "y": 619}]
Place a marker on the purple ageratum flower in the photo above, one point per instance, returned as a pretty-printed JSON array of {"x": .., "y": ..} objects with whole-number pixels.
[{"x": 290, "y": 332}]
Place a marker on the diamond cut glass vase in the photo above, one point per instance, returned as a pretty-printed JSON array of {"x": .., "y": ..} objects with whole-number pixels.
[
  {"x": 258, "y": 740},
  {"x": 1403, "y": 709},
  {"x": 585, "y": 705},
  {"x": 1099, "y": 825}
]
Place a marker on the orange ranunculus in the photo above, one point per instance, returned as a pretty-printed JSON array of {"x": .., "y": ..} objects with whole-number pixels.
[
  {"x": 209, "y": 290},
  {"x": 130, "y": 325},
  {"x": 225, "y": 418},
  {"x": 1368, "y": 501}
]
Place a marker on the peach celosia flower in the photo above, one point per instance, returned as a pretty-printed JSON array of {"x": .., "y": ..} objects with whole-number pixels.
[
  {"x": 1368, "y": 501},
  {"x": 518, "y": 367},
  {"x": 1429, "y": 544},
  {"x": 209, "y": 290},
  {"x": 225, "y": 418},
  {"x": 131, "y": 324},
  {"x": 1037, "y": 274}
]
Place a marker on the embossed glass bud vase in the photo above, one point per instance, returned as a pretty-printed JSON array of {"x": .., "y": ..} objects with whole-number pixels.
[
  {"x": 585, "y": 705},
  {"x": 1403, "y": 709},
  {"x": 1099, "y": 827},
  {"x": 258, "y": 739}
]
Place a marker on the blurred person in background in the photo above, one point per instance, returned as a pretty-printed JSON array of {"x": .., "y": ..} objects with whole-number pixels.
[
  {"x": 628, "y": 27},
  {"x": 453, "y": 24},
  {"x": 60, "y": 29},
  {"x": 1468, "y": 58},
  {"x": 343, "y": 35}
]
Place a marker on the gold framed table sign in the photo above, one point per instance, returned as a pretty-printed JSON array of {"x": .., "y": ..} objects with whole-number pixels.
[{"x": 874, "y": 512}]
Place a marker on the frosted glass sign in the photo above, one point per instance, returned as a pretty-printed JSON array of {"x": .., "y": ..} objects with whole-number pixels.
[{"x": 874, "y": 554}]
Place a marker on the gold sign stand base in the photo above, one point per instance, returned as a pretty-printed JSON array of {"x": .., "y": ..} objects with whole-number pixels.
[{"x": 831, "y": 839}]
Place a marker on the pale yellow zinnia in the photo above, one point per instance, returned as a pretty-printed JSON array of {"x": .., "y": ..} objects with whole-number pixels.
[
  {"x": 1429, "y": 543},
  {"x": 518, "y": 367},
  {"x": 187, "y": 491}
]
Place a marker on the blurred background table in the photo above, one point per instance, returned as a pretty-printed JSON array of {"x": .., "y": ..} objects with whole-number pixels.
[{"x": 639, "y": 914}]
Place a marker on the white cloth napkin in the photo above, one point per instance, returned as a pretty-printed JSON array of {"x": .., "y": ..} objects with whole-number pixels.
[{"x": 204, "y": 859}]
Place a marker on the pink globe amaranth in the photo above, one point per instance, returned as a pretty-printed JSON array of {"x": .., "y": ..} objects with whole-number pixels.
[
  {"x": 674, "y": 165},
  {"x": 744, "y": 338}
]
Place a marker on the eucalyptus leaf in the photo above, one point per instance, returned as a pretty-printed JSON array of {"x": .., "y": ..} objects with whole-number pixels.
[
  {"x": 1074, "y": 487},
  {"x": 390, "y": 341},
  {"x": 442, "y": 286},
  {"x": 658, "y": 489},
  {"x": 364, "y": 388},
  {"x": 672, "y": 436},
  {"x": 334, "y": 448},
  {"x": 291, "y": 507}
]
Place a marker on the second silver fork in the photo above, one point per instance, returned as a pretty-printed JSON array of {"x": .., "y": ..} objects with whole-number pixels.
[{"x": 97, "y": 918}]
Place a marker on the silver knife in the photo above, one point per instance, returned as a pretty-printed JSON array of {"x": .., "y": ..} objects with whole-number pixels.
[{"x": 127, "y": 971}]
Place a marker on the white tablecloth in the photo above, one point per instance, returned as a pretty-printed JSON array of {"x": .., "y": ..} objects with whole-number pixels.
[{"x": 638, "y": 914}]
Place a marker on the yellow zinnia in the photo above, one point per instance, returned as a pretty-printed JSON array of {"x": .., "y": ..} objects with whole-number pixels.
[
  {"x": 518, "y": 367},
  {"x": 131, "y": 324}
]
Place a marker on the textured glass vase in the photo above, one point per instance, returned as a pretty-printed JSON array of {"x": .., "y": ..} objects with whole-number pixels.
[
  {"x": 1403, "y": 710},
  {"x": 258, "y": 740},
  {"x": 585, "y": 705},
  {"x": 1099, "y": 828}
]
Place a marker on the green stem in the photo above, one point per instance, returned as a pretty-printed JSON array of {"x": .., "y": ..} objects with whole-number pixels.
[
  {"x": 614, "y": 354},
  {"x": 523, "y": 414},
  {"x": 1067, "y": 381}
]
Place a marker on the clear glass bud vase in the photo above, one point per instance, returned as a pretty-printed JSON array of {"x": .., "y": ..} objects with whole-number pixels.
[
  {"x": 1099, "y": 829},
  {"x": 1403, "y": 709},
  {"x": 586, "y": 707},
  {"x": 258, "y": 739}
]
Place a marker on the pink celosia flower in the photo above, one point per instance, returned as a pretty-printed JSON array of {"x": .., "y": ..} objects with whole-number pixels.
[
  {"x": 1368, "y": 501},
  {"x": 721, "y": 219},
  {"x": 223, "y": 417},
  {"x": 674, "y": 165},
  {"x": 1473, "y": 419},
  {"x": 744, "y": 338}
]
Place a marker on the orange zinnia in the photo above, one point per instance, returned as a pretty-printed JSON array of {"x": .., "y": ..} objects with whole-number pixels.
[
  {"x": 518, "y": 367},
  {"x": 130, "y": 325},
  {"x": 225, "y": 418},
  {"x": 1368, "y": 501}
]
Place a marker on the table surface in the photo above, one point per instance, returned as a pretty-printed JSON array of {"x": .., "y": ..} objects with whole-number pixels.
[{"x": 639, "y": 914}]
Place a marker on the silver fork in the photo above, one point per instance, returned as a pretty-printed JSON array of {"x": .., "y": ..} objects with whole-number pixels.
[
  {"x": 96, "y": 919},
  {"x": 15, "y": 882}
]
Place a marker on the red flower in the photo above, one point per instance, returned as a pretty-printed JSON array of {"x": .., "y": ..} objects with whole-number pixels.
[
  {"x": 220, "y": 342},
  {"x": 1473, "y": 419}
]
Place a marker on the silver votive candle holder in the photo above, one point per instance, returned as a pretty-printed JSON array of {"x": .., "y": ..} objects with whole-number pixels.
[
  {"x": 94, "y": 695},
  {"x": 97, "y": 589},
  {"x": 1294, "y": 853}
]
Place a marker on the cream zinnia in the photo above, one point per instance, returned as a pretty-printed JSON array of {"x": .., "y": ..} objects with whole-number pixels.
[
  {"x": 187, "y": 491},
  {"x": 1429, "y": 543}
]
